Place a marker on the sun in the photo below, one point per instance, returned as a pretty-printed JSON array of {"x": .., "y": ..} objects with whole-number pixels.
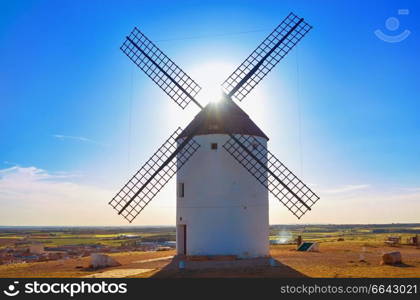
[{"x": 210, "y": 77}]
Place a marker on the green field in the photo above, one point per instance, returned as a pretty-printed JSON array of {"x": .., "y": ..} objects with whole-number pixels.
[
  {"x": 329, "y": 233},
  {"x": 53, "y": 236}
]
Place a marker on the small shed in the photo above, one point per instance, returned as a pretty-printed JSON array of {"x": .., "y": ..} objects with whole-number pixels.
[
  {"x": 99, "y": 260},
  {"x": 308, "y": 247},
  {"x": 393, "y": 240}
]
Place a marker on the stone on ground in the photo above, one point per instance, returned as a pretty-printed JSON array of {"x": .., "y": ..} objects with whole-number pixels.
[
  {"x": 391, "y": 258},
  {"x": 98, "y": 260}
]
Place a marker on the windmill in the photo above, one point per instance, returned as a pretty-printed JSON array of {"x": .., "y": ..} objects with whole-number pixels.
[{"x": 224, "y": 169}]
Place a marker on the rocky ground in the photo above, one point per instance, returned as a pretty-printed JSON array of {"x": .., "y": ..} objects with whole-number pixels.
[{"x": 335, "y": 259}]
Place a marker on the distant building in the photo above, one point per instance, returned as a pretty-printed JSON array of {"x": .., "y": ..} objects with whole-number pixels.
[
  {"x": 128, "y": 236},
  {"x": 171, "y": 244},
  {"x": 393, "y": 240},
  {"x": 36, "y": 248}
]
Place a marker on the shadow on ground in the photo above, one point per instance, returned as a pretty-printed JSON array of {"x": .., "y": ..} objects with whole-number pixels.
[
  {"x": 402, "y": 265},
  {"x": 241, "y": 268}
]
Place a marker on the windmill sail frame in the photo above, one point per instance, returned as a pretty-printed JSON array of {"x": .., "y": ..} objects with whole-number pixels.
[
  {"x": 265, "y": 57},
  {"x": 153, "y": 176},
  {"x": 247, "y": 150},
  {"x": 271, "y": 173},
  {"x": 160, "y": 68}
]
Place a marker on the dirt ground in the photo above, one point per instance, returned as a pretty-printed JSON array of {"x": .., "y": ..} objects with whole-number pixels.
[
  {"x": 349, "y": 259},
  {"x": 79, "y": 267},
  {"x": 335, "y": 259}
]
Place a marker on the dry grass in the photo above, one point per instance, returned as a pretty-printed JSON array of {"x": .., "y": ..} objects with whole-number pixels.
[
  {"x": 69, "y": 268},
  {"x": 335, "y": 259},
  {"x": 342, "y": 259}
]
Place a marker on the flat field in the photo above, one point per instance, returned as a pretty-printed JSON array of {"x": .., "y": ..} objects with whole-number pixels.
[{"x": 344, "y": 251}]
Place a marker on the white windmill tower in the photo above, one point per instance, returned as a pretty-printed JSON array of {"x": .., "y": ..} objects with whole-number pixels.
[{"x": 221, "y": 209}]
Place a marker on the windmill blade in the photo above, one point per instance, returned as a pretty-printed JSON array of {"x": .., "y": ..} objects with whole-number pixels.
[
  {"x": 153, "y": 176},
  {"x": 160, "y": 68},
  {"x": 271, "y": 173},
  {"x": 263, "y": 59}
]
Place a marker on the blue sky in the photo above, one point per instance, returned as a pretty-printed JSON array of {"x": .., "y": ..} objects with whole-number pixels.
[{"x": 77, "y": 118}]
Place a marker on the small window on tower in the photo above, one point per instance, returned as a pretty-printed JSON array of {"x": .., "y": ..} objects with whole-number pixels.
[
  {"x": 213, "y": 146},
  {"x": 181, "y": 189}
]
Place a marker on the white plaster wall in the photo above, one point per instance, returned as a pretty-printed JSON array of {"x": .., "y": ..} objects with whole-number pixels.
[{"x": 224, "y": 207}]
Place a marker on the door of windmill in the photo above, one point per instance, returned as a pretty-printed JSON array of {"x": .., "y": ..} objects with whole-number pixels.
[{"x": 182, "y": 239}]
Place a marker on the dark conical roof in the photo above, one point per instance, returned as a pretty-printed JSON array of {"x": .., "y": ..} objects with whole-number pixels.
[{"x": 222, "y": 117}]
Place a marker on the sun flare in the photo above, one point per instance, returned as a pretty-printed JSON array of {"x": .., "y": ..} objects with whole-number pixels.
[{"x": 210, "y": 77}]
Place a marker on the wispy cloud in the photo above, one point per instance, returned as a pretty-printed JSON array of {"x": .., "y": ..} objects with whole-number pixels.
[
  {"x": 33, "y": 196},
  {"x": 357, "y": 204},
  {"x": 411, "y": 189},
  {"x": 10, "y": 163},
  {"x": 77, "y": 138},
  {"x": 347, "y": 188},
  {"x": 33, "y": 174}
]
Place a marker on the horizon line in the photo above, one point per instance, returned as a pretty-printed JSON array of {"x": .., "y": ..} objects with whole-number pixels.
[{"x": 286, "y": 224}]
